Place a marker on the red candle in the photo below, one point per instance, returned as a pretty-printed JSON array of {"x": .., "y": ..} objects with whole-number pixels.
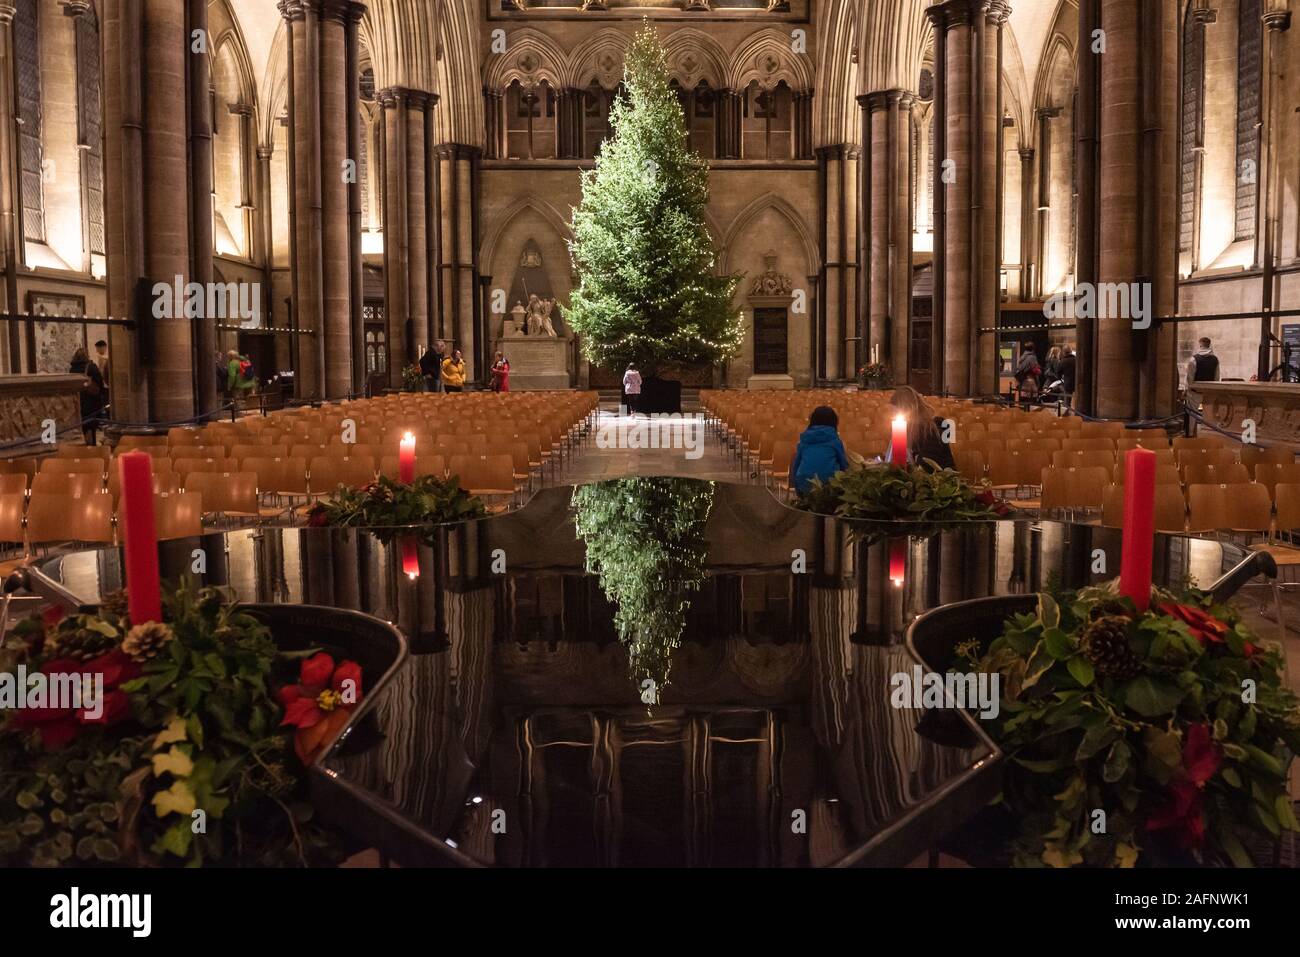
[
  {"x": 1139, "y": 526},
  {"x": 410, "y": 557},
  {"x": 140, "y": 540},
  {"x": 406, "y": 460},
  {"x": 897, "y": 561},
  {"x": 898, "y": 448}
]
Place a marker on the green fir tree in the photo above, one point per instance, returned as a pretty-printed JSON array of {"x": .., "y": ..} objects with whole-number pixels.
[{"x": 647, "y": 291}]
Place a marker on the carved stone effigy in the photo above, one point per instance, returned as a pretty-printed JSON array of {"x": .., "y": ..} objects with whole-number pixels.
[
  {"x": 1274, "y": 407},
  {"x": 27, "y": 401}
]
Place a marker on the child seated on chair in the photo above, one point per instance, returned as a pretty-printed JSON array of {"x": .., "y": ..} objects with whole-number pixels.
[{"x": 821, "y": 453}]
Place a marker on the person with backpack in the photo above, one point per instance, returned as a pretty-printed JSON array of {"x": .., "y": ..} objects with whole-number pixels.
[
  {"x": 1203, "y": 366},
  {"x": 93, "y": 397},
  {"x": 1028, "y": 372},
  {"x": 240, "y": 378}
]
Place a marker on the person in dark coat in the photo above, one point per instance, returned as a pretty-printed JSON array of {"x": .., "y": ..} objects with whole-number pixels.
[
  {"x": 94, "y": 397},
  {"x": 1069, "y": 373},
  {"x": 925, "y": 442},
  {"x": 820, "y": 453},
  {"x": 431, "y": 366}
]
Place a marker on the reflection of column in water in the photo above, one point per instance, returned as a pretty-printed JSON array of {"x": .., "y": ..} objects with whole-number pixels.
[
  {"x": 316, "y": 559},
  {"x": 347, "y": 590}
]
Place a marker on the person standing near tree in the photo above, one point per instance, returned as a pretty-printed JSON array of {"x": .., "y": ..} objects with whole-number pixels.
[{"x": 632, "y": 388}]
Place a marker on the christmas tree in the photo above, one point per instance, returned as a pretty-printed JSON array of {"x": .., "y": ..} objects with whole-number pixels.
[{"x": 647, "y": 292}]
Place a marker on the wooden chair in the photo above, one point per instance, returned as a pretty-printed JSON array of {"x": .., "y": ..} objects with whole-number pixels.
[
  {"x": 72, "y": 483},
  {"x": 69, "y": 518},
  {"x": 1073, "y": 489},
  {"x": 226, "y": 494},
  {"x": 1238, "y": 508},
  {"x": 326, "y": 473},
  {"x": 430, "y": 464},
  {"x": 1165, "y": 475},
  {"x": 164, "y": 480},
  {"x": 1253, "y": 456},
  {"x": 64, "y": 466},
  {"x": 178, "y": 515},
  {"x": 1232, "y": 474},
  {"x": 1078, "y": 459},
  {"x": 13, "y": 483},
  {"x": 12, "y": 507},
  {"x": 1171, "y": 508},
  {"x": 1272, "y": 474},
  {"x": 186, "y": 466}
]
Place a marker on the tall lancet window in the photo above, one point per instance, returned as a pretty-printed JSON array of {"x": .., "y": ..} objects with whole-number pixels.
[
  {"x": 1250, "y": 37},
  {"x": 27, "y": 50}
]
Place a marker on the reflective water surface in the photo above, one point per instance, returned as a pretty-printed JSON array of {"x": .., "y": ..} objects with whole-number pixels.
[{"x": 649, "y": 672}]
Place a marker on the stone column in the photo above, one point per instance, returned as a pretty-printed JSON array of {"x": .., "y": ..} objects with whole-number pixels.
[
  {"x": 265, "y": 232},
  {"x": 841, "y": 319},
  {"x": 1276, "y": 22},
  {"x": 396, "y": 244},
  {"x": 803, "y": 124},
  {"x": 460, "y": 320},
  {"x": 886, "y": 223},
  {"x": 201, "y": 187},
  {"x": 569, "y": 106},
  {"x": 166, "y": 201},
  {"x": 417, "y": 223},
  {"x": 1087, "y": 155},
  {"x": 321, "y": 93},
  {"x": 969, "y": 107},
  {"x": 728, "y": 124},
  {"x": 1137, "y": 223},
  {"x": 9, "y": 241},
  {"x": 1028, "y": 214},
  {"x": 494, "y": 127}
]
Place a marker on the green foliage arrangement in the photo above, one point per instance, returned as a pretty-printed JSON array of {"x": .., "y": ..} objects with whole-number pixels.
[
  {"x": 875, "y": 375},
  {"x": 645, "y": 538},
  {"x": 1172, "y": 722},
  {"x": 914, "y": 494},
  {"x": 189, "y": 723},
  {"x": 384, "y": 505},
  {"x": 647, "y": 292}
]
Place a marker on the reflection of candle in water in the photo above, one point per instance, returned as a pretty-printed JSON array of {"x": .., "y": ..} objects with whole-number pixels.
[
  {"x": 898, "y": 448},
  {"x": 410, "y": 557},
  {"x": 897, "y": 561},
  {"x": 140, "y": 540},
  {"x": 406, "y": 460},
  {"x": 1139, "y": 526}
]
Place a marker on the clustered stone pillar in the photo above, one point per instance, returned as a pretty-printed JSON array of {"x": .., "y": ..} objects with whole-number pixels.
[
  {"x": 968, "y": 60},
  {"x": 1137, "y": 212},
  {"x": 887, "y": 223},
  {"x": 322, "y": 93},
  {"x": 728, "y": 124},
  {"x": 460, "y": 316},
  {"x": 408, "y": 232},
  {"x": 201, "y": 187},
  {"x": 8, "y": 174},
  {"x": 840, "y": 328},
  {"x": 147, "y": 212}
]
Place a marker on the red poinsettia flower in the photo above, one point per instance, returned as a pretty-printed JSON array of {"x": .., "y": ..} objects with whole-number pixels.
[
  {"x": 58, "y": 726},
  {"x": 318, "y": 706},
  {"x": 1181, "y": 815},
  {"x": 317, "y": 517},
  {"x": 320, "y": 690},
  {"x": 1201, "y": 755},
  {"x": 1204, "y": 627}
]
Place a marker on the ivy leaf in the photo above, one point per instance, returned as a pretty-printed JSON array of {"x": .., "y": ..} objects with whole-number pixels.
[
  {"x": 1048, "y": 611},
  {"x": 1081, "y": 670},
  {"x": 1058, "y": 643},
  {"x": 1152, "y": 697}
]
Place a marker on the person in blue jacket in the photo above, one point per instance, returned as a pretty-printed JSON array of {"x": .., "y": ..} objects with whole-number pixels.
[{"x": 821, "y": 453}]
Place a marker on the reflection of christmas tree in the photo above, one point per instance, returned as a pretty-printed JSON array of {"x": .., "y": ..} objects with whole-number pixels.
[
  {"x": 645, "y": 538},
  {"x": 647, "y": 291}
]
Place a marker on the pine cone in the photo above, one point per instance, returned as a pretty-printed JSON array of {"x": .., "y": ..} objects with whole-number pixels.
[
  {"x": 79, "y": 644},
  {"x": 1105, "y": 644},
  {"x": 146, "y": 640}
]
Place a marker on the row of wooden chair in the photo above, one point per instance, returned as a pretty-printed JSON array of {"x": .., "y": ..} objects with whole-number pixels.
[{"x": 44, "y": 519}]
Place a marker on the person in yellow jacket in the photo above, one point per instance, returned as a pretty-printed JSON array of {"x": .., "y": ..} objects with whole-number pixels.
[{"x": 453, "y": 372}]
